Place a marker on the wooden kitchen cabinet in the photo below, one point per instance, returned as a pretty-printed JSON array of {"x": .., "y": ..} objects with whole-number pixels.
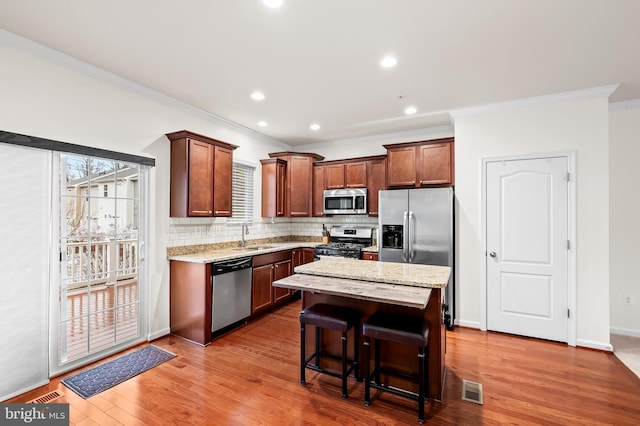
[
  {"x": 301, "y": 256},
  {"x": 376, "y": 180},
  {"x": 274, "y": 185},
  {"x": 190, "y": 301},
  {"x": 346, "y": 175},
  {"x": 318, "y": 187},
  {"x": 268, "y": 268},
  {"x": 298, "y": 188},
  {"x": 281, "y": 269},
  {"x": 201, "y": 175},
  {"x": 420, "y": 164},
  {"x": 369, "y": 255}
]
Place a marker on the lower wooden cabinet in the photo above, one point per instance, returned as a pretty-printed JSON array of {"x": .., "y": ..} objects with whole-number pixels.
[{"x": 369, "y": 255}]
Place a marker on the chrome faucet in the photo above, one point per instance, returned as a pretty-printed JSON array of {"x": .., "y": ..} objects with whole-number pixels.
[{"x": 245, "y": 230}]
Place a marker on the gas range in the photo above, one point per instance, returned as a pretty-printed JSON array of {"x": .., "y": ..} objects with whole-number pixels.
[{"x": 346, "y": 241}]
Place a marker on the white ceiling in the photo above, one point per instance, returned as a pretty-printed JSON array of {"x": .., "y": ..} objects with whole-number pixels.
[{"x": 318, "y": 60}]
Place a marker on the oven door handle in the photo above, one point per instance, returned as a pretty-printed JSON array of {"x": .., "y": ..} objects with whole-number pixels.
[{"x": 405, "y": 232}]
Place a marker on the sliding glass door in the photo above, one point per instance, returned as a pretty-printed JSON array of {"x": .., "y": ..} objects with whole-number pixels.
[{"x": 99, "y": 293}]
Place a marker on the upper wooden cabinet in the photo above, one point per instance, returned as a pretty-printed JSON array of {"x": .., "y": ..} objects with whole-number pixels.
[
  {"x": 319, "y": 185},
  {"x": 376, "y": 180},
  {"x": 298, "y": 188},
  {"x": 274, "y": 185},
  {"x": 201, "y": 175},
  {"x": 420, "y": 164},
  {"x": 346, "y": 175}
]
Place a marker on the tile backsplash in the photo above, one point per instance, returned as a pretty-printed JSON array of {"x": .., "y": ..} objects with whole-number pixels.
[{"x": 206, "y": 230}]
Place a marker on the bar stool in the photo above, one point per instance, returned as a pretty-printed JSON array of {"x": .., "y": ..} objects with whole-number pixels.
[
  {"x": 400, "y": 329},
  {"x": 332, "y": 317}
]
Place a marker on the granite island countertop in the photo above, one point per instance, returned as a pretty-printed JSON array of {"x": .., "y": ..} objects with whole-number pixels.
[{"x": 408, "y": 274}]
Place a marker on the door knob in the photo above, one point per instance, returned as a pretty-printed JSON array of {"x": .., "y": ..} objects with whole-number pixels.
[{"x": 492, "y": 254}]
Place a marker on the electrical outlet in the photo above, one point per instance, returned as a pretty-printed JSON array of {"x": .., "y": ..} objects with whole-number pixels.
[{"x": 627, "y": 300}]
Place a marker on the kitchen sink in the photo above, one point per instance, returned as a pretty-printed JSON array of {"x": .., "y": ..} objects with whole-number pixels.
[{"x": 253, "y": 248}]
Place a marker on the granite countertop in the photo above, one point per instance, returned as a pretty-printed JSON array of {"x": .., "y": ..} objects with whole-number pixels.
[
  {"x": 403, "y": 295},
  {"x": 215, "y": 253},
  {"x": 408, "y": 274}
]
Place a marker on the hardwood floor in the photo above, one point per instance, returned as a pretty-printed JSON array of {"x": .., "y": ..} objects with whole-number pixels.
[{"x": 251, "y": 376}]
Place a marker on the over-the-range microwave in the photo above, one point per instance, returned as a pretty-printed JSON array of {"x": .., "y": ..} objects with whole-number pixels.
[{"x": 345, "y": 201}]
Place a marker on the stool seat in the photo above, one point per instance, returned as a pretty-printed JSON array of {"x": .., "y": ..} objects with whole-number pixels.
[
  {"x": 399, "y": 329},
  {"x": 329, "y": 316}
]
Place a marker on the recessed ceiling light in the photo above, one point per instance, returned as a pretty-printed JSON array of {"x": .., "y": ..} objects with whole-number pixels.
[
  {"x": 257, "y": 96},
  {"x": 315, "y": 127},
  {"x": 410, "y": 110},
  {"x": 273, "y": 3},
  {"x": 262, "y": 123},
  {"x": 388, "y": 62}
]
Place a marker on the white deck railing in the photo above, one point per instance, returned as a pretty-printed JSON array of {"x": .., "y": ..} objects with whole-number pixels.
[{"x": 100, "y": 262}]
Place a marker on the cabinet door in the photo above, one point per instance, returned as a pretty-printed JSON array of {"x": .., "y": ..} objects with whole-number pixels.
[
  {"x": 281, "y": 270},
  {"x": 299, "y": 170},
  {"x": 296, "y": 258},
  {"x": 318, "y": 190},
  {"x": 356, "y": 175},
  {"x": 376, "y": 180},
  {"x": 401, "y": 167},
  {"x": 335, "y": 176},
  {"x": 435, "y": 164},
  {"x": 261, "y": 293},
  {"x": 200, "y": 178},
  {"x": 308, "y": 255},
  {"x": 222, "y": 181},
  {"x": 281, "y": 185}
]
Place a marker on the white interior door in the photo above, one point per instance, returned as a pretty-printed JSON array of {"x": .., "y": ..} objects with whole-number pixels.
[{"x": 527, "y": 247}]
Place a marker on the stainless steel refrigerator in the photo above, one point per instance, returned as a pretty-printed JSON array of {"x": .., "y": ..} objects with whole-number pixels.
[{"x": 416, "y": 226}]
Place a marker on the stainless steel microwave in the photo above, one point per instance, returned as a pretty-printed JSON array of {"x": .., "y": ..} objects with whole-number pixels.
[{"x": 345, "y": 201}]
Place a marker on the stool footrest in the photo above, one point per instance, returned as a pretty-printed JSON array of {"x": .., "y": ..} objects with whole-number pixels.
[
  {"x": 328, "y": 371},
  {"x": 400, "y": 392},
  {"x": 395, "y": 373}
]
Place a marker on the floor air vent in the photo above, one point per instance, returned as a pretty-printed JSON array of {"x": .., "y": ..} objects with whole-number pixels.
[
  {"x": 471, "y": 392},
  {"x": 46, "y": 397}
]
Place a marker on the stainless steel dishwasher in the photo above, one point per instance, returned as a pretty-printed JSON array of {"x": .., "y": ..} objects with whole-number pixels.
[{"x": 231, "y": 292}]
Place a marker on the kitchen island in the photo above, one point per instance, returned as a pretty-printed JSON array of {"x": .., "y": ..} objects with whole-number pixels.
[{"x": 369, "y": 286}]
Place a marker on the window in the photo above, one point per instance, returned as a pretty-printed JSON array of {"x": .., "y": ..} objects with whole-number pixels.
[
  {"x": 242, "y": 193},
  {"x": 105, "y": 190}
]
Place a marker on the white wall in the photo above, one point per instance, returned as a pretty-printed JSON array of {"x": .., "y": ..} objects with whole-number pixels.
[
  {"x": 624, "y": 174},
  {"x": 580, "y": 125},
  {"x": 42, "y": 97}
]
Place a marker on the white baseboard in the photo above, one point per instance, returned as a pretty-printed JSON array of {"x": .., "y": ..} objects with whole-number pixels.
[
  {"x": 23, "y": 390},
  {"x": 158, "y": 334},
  {"x": 625, "y": 331},
  {"x": 470, "y": 324},
  {"x": 594, "y": 345}
]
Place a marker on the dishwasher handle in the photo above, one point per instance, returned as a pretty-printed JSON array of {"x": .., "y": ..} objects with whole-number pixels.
[{"x": 233, "y": 265}]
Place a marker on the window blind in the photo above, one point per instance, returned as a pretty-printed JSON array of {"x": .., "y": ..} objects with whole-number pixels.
[
  {"x": 24, "y": 261},
  {"x": 242, "y": 193}
]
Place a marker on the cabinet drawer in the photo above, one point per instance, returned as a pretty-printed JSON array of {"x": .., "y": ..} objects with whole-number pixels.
[{"x": 264, "y": 259}]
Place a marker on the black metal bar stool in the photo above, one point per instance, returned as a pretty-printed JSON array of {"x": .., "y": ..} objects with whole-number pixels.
[
  {"x": 400, "y": 329},
  {"x": 332, "y": 317}
]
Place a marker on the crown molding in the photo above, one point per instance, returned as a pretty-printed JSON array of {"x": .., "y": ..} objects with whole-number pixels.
[
  {"x": 54, "y": 56},
  {"x": 402, "y": 136},
  {"x": 624, "y": 105},
  {"x": 595, "y": 92}
]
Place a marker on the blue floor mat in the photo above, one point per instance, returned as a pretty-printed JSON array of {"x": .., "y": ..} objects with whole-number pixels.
[{"x": 109, "y": 374}]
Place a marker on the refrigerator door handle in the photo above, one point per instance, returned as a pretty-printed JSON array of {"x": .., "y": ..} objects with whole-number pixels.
[
  {"x": 405, "y": 233},
  {"x": 412, "y": 232}
]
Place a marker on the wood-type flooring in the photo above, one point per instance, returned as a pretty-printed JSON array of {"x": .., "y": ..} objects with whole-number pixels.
[{"x": 251, "y": 377}]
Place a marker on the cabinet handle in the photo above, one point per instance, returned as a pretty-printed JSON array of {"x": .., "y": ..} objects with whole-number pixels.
[
  {"x": 201, "y": 211},
  {"x": 222, "y": 211}
]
